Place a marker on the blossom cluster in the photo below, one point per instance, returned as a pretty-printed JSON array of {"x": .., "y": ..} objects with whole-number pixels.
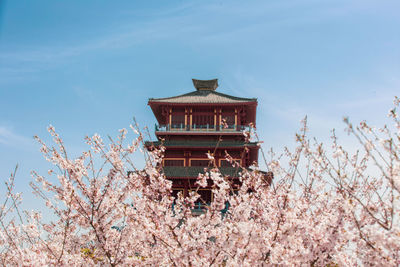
[{"x": 325, "y": 207}]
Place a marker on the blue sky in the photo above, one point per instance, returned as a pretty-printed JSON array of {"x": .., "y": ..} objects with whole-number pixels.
[{"x": 89, "y": 66}]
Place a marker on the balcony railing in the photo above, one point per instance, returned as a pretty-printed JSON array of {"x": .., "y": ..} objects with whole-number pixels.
[{"x": 200, "y": 128}]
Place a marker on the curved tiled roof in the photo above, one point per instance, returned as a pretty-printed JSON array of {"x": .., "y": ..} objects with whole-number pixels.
[
  {"x": 193, "y": 172},
  {"x": 203, "y": 96}
]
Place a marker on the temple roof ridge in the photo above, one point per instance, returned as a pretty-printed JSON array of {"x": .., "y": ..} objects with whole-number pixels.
[{"x": 210, "y": 85}]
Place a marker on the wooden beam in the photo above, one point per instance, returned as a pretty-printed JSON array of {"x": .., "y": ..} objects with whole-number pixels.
[
  {"x": 215, "y": 119},
  {"x": 220, "y": 117},
  {"x": 191, "y": 110},
  {"x": 170, "y": 117},
  {"x": 186, "y": 117},
  {"x": 236, "y": 116}
]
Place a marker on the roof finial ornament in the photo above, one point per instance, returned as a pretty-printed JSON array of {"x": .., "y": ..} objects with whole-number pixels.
[{"x": 210, "y": 85}]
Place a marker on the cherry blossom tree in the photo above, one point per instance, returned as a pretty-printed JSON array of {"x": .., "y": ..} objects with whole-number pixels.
[{"x": 326, "y": 206}]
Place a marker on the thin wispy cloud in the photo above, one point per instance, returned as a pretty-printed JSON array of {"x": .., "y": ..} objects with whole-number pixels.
[
  {"x": 9, "y": 138},
  {"x": 180, "y": 21}
]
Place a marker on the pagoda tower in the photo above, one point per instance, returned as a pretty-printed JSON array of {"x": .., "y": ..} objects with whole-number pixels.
[{"x": 200, "y": 122}]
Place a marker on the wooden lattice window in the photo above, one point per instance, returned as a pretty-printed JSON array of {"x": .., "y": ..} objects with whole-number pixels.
[
  {"x": 229, "y": 119},
  {"x": 174, "y": 162},
  {"x": 178, "y": 121},
  {"x": 203, "y": 121},
  {"x": 203, "y": 118},
  {"x": 199, "y": 162}
]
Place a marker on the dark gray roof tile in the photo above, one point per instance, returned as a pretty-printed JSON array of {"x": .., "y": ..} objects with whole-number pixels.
[
  {"x": 203, "y": 96},
  {"x": 193, "y": 172}
]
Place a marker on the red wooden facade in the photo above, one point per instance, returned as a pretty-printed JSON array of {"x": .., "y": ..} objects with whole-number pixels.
[{"x": 200, "y": 122}]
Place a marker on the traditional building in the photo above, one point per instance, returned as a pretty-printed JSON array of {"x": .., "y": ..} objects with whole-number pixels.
[{"x": 200, "y": 122}]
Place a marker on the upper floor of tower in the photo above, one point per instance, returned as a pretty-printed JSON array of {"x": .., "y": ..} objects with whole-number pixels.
[{"x": 203, "y": 112}]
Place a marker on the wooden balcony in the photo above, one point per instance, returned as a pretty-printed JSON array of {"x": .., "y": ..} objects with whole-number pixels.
[{"x": 181, "y": 128}]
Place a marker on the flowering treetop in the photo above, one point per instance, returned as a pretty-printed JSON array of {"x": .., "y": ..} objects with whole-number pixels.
[{"x": 325, "y": 207}]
